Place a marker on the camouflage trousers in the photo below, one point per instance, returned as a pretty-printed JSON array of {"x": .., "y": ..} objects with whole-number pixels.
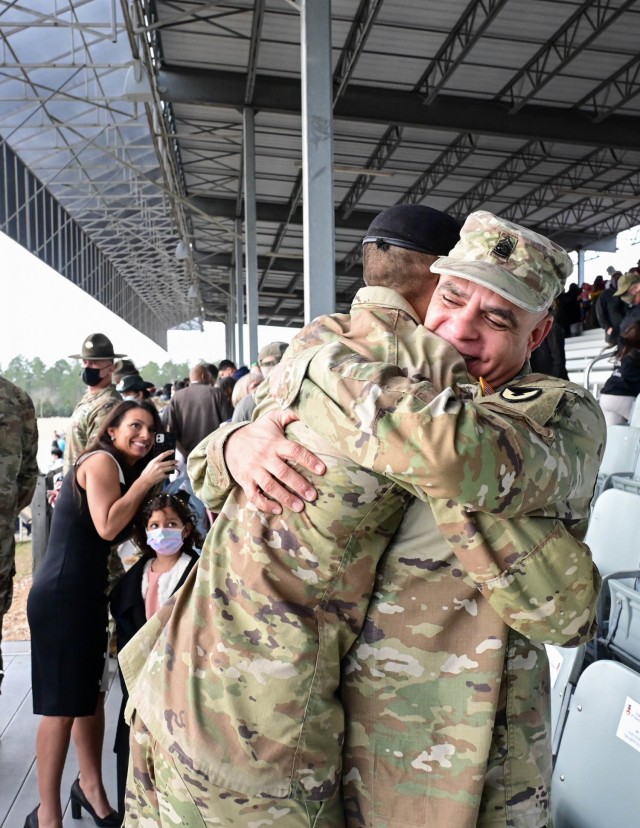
[
  {"x": 162, "y": 791},
  {"x": 7, "y": 571}
]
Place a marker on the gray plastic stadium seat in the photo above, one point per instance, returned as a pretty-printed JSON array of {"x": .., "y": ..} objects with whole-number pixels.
[
  {"x": 623, "y": 628},
  {"x": 634, "y": 417},
  {"x": 565, "y": 665},
  {"x": 620, "y": 455},
  {"x": 628, "y": 481},
  {"x": 614, "y": 531},
  {"x": 596, "y": 779}
]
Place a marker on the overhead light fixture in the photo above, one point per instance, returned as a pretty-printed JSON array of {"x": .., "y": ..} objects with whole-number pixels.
[
  {"x": 339, "y": 168},
  {"x": 182, "y": 251},
  {"x": 137, "y": 86}
]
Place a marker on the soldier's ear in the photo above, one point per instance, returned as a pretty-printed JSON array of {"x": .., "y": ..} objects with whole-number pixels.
[{"x": 539, "y": 333}]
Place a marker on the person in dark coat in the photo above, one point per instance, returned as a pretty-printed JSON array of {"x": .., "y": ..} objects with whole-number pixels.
[
  {"x": 165, "y": 530},
  {"x": 549, "y": 357},
  {"x": 569, "y": 314},
  {"x": 610, "y": 310},
  {"x": 623, "y": 386}
]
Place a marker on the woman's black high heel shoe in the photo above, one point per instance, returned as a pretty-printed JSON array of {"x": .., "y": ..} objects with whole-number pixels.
[
  {"x": 80, "y": 801},
  {"x": 32, "y": 820}
]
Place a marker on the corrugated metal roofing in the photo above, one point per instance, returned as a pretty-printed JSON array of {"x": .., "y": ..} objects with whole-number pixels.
[{"x": 529, "y": 108}]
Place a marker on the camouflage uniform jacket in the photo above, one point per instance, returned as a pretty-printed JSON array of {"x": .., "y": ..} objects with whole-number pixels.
[
  {"x": 18, "y": 450},
  {"x": 393, "y": 782},
  {"x": 85, "y": 421},
  {"x": 18, "y": 475},
  {"x": 445, "y": 692},
  {"x": 240, "y": 672}
]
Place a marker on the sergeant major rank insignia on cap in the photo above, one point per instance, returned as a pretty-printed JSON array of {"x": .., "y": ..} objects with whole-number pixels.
[{"x": 505, "y": 247}]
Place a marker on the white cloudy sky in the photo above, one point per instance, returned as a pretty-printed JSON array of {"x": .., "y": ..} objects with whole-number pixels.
[{"x": 44, "y": 315}]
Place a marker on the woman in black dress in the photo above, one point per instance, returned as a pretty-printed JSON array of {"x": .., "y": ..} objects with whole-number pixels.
[{"x": 67, "y": 606}]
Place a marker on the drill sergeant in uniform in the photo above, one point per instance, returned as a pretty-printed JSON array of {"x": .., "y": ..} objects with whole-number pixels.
[
  {"x": 97, "y": 369},
  {"x": 246, "y": 699},
  {"x": 18, "y": 475}
]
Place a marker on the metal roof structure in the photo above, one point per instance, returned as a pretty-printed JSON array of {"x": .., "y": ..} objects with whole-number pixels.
[{"x": 131, "y": 120}]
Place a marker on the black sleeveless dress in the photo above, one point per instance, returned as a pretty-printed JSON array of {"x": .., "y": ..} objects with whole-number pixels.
[{"x": 67, "y": 609}]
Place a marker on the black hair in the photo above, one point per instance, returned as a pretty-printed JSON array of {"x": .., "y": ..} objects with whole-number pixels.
[
  {"x": 102, "y": 441},
  {"x": 179, "y": 502},
  {"x": 226, "y": 363}
]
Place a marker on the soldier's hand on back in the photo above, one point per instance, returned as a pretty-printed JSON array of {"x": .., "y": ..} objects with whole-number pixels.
[{"x": 258, "y": 457}]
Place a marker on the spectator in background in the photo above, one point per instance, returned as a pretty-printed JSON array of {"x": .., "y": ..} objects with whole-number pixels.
[
  {"x": 225, "y": 388},
  {"x": 196, "y": 411},
  {"x": 123, "y": 368},
  {"x": 268, "y": 358},
  {"x": 569, "y": 315},
  {"x": 213, "y": 372},
  {"x": 226, "y": 368},
  {"x": 590, "y": 315},
  {"x": 629, "y": 292},
  {"x": 18, "y": 475},
  {"x": 610, "y": 309},
  {"x": 133, "y": 387},
  {"x": 549, "y": 357},
  {"x": 55, "y": 463},
  {"x": 623, "y": 386},
  {"x": 67, "y": 605},
  {"x": 166, "y": 533}
]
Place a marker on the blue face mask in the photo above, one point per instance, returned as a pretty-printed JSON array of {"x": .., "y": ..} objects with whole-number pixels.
[{"x": 165, "y": 541}]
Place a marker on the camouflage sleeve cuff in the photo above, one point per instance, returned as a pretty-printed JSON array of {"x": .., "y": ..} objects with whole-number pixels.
[
  {"x": 207, "y": 469},
  {"x": 548, "y": 595}
]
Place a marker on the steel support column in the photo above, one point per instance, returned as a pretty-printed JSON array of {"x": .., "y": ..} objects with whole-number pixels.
[
  {"x": 317, "y": 159},
  {"x": 251, "y": 249},
  {"x": 581, "y": 266},
  {"x": 239, "y": 294},
  {"x": 230, "y": 333}
]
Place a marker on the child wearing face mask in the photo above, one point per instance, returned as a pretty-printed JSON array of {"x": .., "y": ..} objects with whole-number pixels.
[{"x": 165, "y": 531}]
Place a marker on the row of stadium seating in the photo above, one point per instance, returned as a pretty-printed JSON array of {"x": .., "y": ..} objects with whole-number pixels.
[{"x": 596, "y": 711}]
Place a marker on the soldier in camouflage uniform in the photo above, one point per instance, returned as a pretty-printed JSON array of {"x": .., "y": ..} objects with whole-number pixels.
[
  {"x": 247, "y": 697},
  {"x": 98, "y": 365},
  {"x": 18, "y": 475}
]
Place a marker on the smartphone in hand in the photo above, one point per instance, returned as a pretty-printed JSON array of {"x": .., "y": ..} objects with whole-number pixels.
[{"x": 166, "y": 441}]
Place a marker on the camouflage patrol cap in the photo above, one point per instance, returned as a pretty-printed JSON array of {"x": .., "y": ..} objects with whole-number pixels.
[
  {"x": 415, "y": 227},
  {"x": 124, "y": 368},
  {"x": 274, "y": 350},
  {"x": 96, "y": 346},
  {"x": 626, "y": 282},
  {"x": 522, "y": 266}
]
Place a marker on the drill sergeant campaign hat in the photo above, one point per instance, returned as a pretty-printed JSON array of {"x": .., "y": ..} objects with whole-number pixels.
[
  {"x": 522, "y": 266},
  {"x": 414, "y": 227},
  {"x": 96, "y": 346}
]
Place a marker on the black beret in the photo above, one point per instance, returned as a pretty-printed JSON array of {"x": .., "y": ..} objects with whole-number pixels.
[{"x": 415, "y": 227}]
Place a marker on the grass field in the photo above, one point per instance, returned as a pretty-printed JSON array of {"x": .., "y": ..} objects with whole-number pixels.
[{"x": 15, "y": 627}]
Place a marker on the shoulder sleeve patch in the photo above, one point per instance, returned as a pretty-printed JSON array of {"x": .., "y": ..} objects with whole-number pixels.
[{"x": 521, "y": 394}]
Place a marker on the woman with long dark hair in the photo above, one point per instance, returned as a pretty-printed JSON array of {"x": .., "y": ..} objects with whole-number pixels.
[
  {"x": 623, "y": 386},
  {"x": 67, "y": 606}
]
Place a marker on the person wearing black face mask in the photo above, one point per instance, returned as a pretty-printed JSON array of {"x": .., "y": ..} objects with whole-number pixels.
[{"x": 97, "y": 357}]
